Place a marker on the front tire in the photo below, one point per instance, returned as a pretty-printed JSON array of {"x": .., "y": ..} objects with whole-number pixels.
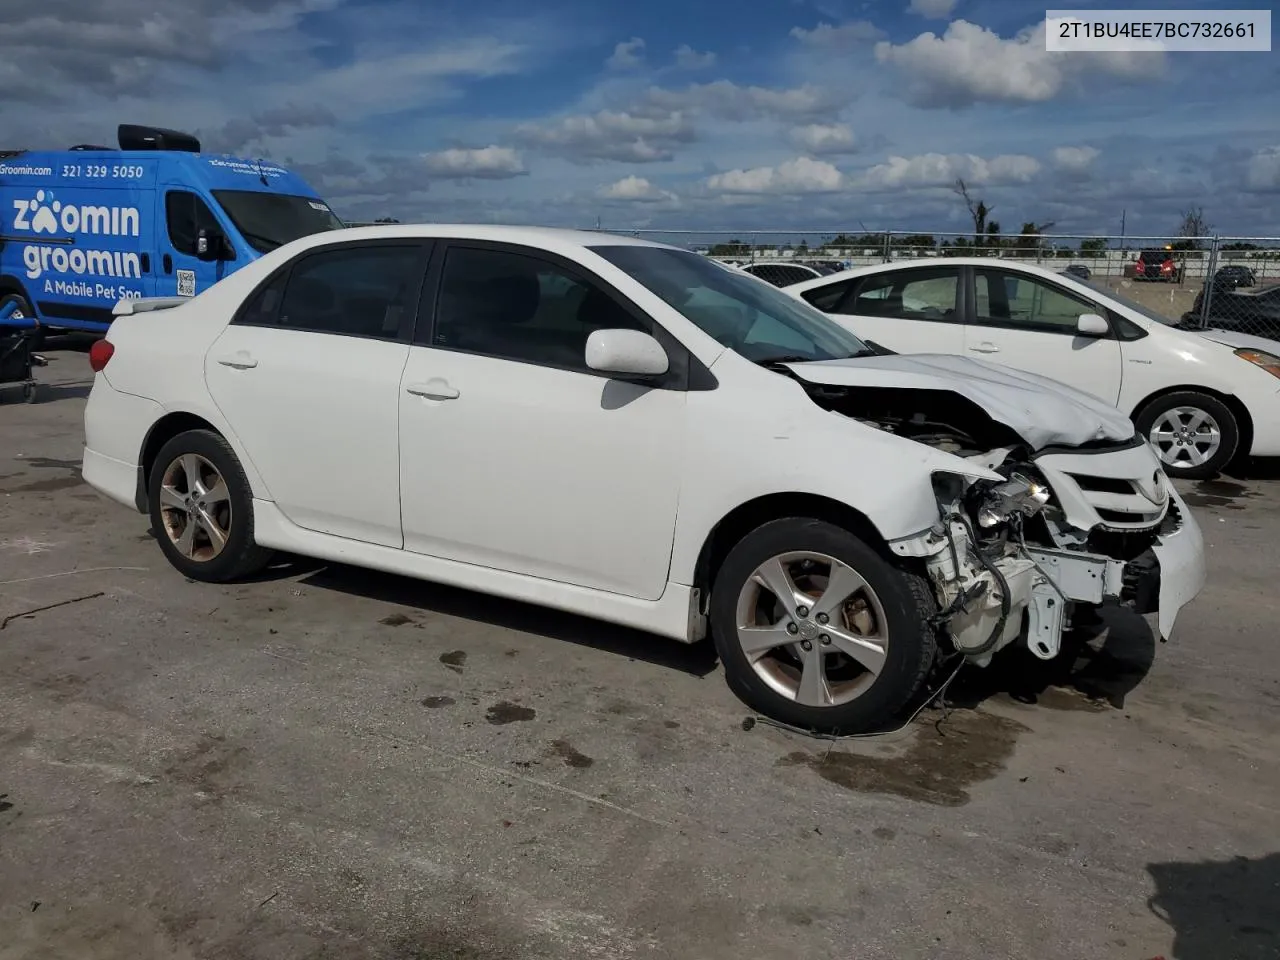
[
  {"x": 1194, "y": 434},
  {"x": 202, "y": 509},
  {"x": 818, "y": 630}
]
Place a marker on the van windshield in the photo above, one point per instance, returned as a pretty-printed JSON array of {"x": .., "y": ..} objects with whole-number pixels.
[{"x": 270, "y": 220}]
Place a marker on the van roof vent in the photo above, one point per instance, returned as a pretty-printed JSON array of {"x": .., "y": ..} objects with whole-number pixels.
[
  {"x": 133, "y": 136},
  {"x": 90, "y": 146}
]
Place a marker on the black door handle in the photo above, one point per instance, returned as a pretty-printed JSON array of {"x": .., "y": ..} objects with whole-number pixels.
[
  {"x": 168, "y": 263},
  {"x": 146, "y": 263}
]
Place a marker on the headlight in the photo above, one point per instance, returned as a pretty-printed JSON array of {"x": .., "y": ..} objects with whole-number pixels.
[
  {"x": 1015, "y": 495},
  {"x": 1260, "y": 358}
]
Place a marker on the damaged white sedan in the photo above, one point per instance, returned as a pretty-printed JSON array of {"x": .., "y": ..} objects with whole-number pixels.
[{"x": 631, "y": 432}]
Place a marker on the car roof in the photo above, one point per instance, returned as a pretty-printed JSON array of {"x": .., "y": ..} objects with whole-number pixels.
[
  {"x": 549, "y": 237},
  {"x": 932, "y": 263}
]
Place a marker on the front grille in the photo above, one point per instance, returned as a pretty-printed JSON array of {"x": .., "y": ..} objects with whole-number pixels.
[{"x": 1121, "y": 503}]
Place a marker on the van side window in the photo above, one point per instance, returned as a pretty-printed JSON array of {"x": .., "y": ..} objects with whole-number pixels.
[{"x": 186, "y": 215}]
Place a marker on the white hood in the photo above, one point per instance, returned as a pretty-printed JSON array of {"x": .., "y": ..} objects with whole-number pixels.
[
  {"x": 1239, "y": 340},
  {"x": 1043, "y": 412}
]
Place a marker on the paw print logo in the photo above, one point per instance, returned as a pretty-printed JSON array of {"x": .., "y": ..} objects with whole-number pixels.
[{"x": 44, "y": 219}]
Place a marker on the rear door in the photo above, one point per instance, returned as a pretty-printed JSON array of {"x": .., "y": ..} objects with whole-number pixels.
[
  {"x": 913, "y": 310},
  {"x": 182, "y": 214},
  {"x": 308, "y": 377},
  {"x": 1029, "y": 323}
]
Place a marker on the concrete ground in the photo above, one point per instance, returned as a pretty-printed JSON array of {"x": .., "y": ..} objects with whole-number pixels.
[{"x": 329, "y": 763}]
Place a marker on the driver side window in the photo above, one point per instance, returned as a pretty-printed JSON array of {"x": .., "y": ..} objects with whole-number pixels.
[{"x": 1013, "y": 300}]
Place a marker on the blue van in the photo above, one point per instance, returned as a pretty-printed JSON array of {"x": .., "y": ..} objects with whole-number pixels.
[{"x": 82, "y": 229}]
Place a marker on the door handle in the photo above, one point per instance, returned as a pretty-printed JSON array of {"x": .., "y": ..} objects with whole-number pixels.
[
  {"x": 985, "y": 347},
  {"x": 238, "y": 361},
  {"x": 435, "y": 389}
]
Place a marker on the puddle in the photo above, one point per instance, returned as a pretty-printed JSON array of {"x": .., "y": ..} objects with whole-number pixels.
[
  {"x": 569, "y": 754},
  {"x": 1219, "y": 493},
  {"x": 45, "y": 463},
  {"x": 454, "y": 660},
  {"x": 48, "y": 486},
  {"x": 504, "y": 712},
  {"x": 395, "y": 620},
  {"x": 937, "y": 767},
  {"x": 435, "y": 703}
]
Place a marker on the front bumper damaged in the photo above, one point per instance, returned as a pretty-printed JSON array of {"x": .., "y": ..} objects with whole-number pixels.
[{"x": 1042, "y": 585}]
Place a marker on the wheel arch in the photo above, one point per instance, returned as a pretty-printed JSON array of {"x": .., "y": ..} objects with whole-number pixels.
[
  {"x": 161, "y": 432},
  {"x": 11, "y": 284},
  {"x": 745, "y": 517},
  {"x": 1233, "y": 403}
]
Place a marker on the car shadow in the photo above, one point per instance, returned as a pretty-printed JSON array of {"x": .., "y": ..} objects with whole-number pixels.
[
  {"x": 1256, "y": 468},
  {"x": 1220, "y": 909},
  {"x": 698, "y": 659},
  {"x": 1099, "y": 665},
  {"x": 76, "y": 390}
]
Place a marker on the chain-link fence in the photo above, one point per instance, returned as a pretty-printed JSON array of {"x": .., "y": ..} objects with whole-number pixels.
[{"x": 1230, "y": 283}]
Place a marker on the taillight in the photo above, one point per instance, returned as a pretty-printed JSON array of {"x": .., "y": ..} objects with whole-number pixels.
[{"x": 99, "y": 354}]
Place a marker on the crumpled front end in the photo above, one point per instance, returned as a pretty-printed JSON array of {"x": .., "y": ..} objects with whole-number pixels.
[{"x": 1067, "y": 529}]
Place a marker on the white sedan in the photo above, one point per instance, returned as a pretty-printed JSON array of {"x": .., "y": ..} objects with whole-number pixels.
[
  {"x": 1200, "y": 396},
  {"x": 634, "y": 433}
]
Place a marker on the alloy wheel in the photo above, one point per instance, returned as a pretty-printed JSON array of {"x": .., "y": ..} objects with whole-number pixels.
[
  {"x": 195, "y": 507},
  {"x": 812, "y": 628},
  {"x": 1186, "y": 437}
]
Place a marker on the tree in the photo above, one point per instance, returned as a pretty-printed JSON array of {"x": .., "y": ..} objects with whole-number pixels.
[
  {"x": 386, "y": 220},
  {"x": 1093, "y": 247},
  {"x": 1192, "y": 227},
  {"x": 803, "y": 247},
  {"x": 978, "y": 212},
  {"x": 1028, "y": 242},
  {"x": 733, "y": 248}
]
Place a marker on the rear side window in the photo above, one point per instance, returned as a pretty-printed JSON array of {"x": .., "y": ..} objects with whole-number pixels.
[
  {"x": 353, "y": 291},
  {"x": 185, "y": 216},
  {"x": 828, "y": 298}
]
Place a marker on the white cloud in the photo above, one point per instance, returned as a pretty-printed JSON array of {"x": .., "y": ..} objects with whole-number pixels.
[
  {"x": 801, "y": 175},
  {"x": 627, "y": 54},
  {"x": 943, "y": 169},
  {"x": 728, "y": 101},
  {"x": 969, "y": 63},
  {"x": 843, "y": 37},
  {"x": 1262, "y": 173},
  {"x": 933, "y": 9},
  {"x": 824, "y": 138},
  {"x": 688, "y": 58},
  {"x": 610, "y": 135},
  {"x": 1075, "y": 159},
  {"x": 634, "y": 189},
  {"x": 484, "y": 163}
]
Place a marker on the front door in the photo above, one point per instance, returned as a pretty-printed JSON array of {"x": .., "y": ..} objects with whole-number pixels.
[
  {"x": 1029, "y": 323},
  {"x": 513, "y": 454},
  {"x": 914, "y": 310},
  {"x": 308, "y": 378},
  {"x": 180, "y": 273}
]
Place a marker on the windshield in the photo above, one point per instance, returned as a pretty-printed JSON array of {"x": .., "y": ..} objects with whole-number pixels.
[
  {"x": 742, "y": 313},
  {"x": 270, "y": 220}
]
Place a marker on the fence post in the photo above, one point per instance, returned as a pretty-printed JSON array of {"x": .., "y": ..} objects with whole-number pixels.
[
  {"x": 888, "y": 238},
  {"x": 1211, "y": 268}
]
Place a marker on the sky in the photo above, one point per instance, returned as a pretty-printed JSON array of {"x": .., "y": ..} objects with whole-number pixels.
[{"x": 814, "y": 115}]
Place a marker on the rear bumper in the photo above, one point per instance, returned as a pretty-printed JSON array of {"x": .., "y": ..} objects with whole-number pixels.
[{"x": 114, "y": 478}]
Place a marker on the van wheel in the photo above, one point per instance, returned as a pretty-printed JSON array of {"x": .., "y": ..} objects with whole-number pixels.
[
  {"x": 1194, "y": 434},
  {"x": 818, "y": 630},
  {"x": 202, "y": 509}
]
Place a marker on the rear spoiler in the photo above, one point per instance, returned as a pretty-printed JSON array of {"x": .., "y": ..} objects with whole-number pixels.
[{"x": 128, "y": 307}]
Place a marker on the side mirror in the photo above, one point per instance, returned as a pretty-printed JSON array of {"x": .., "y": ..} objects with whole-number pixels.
[
  {"x": 1092, "y": 325},
  {"x": 628, "y": 353},
  {"x": 211, "y": 245}
]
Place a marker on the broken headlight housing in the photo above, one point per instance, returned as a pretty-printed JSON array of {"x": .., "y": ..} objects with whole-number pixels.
[{"x": 997, "y": 503}]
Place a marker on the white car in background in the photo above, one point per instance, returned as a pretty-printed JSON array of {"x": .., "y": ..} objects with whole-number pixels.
[
  {"x": 1200, "y": 396},
  {"x": 634, "y": 433}
]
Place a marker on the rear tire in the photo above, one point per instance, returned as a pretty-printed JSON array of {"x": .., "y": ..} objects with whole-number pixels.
[
  {"x": 201, "y": 509},
  {"x": 871, "y": 653},
  {"x": 1195, "y": 435}
]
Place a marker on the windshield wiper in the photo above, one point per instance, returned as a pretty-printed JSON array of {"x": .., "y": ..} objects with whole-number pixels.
[{"x": 784, "y": 358}]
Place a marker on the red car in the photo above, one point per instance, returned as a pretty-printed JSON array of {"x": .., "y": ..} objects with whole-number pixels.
[{"x": 1157, "y": 265}]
